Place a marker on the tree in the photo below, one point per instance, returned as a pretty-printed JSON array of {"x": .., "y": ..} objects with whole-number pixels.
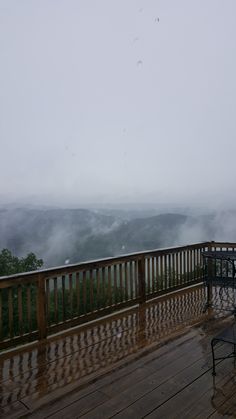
[{"x": 10, "y": 264}]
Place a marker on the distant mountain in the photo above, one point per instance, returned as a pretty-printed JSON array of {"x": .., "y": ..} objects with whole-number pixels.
[
  {"x": 133, "y": 236},
  {"x": 51, "y": 234},
  {"x": 57, "y": 235}
]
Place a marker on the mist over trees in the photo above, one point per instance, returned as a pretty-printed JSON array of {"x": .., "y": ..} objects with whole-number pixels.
[
  {"x": 10, "y": 264},
  {"x": 59, "y": 236}
]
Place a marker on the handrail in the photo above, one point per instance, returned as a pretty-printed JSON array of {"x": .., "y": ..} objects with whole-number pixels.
[
  {"x": 36, "y": 304},
  {"x": 86, "y": 264}
]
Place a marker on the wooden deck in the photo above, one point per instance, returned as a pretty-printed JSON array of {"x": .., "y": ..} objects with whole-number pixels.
[{"x": 151, "y": 362}]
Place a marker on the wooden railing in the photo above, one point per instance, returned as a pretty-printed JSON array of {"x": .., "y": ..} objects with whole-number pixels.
[
  {"x": 34, "y": 305},
  {"x": 82, "y": 353}
]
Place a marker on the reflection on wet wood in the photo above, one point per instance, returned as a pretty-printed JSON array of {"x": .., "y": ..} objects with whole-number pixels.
[
  {"x": 67, "y": 296},
  {"x": 56, "y": 364}
]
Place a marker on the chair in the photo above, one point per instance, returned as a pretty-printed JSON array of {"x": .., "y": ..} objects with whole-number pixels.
[{"x": 227, "y": 336}]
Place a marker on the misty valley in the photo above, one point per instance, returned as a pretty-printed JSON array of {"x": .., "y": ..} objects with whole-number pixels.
[{"x": 61, "y": 236}]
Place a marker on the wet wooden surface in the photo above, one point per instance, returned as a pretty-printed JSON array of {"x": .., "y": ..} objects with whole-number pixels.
[{"x": 151, "y": 362}]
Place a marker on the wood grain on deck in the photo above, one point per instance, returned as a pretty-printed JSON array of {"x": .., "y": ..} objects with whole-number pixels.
[{"x": 128, "y": 365}]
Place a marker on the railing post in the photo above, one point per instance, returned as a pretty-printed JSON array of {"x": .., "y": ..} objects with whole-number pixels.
[
  {"x": 141, "y": 279},
  {"x": 209, "y": 278},
  {"x": 41, "y": 307}
]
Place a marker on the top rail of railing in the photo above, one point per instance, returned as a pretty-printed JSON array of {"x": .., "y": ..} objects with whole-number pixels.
[
  {"x": 64, "y": 269},
  {"x": 36, "y": 304}
]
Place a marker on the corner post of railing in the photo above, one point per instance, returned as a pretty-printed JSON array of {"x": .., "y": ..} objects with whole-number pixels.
[
  {"x": 209, "y": 276},
  {"x": 141, "y": 279},
  {"x": 41, "y": 307}
]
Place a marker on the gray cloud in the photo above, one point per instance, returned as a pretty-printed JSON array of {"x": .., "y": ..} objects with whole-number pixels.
[{"x": 70, "y": 86}]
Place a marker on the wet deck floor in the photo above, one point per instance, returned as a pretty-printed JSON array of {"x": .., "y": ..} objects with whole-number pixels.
[{"x": 151, "y": 362}]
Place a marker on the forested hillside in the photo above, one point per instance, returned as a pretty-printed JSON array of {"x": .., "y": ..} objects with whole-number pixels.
[
  {"x": 51, "y": 234},
  {"x": 60, "y": 236}
]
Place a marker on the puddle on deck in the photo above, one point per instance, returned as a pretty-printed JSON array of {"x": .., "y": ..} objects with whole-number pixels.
[{"x": 90, "y": 350}]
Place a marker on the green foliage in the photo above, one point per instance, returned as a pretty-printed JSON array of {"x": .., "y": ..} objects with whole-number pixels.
[
  {"x": 29, "y": 297},
  {"x": 88, "y": 298},
  {"x": 10, "y": 264}
]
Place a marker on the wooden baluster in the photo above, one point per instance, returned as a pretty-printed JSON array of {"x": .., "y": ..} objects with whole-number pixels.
[
  {"x": 84, "y": 293},
  {"x": 172, "y": 270},
  {"x": 77, "y": 293},
  {"x": 161, "y": 273},
  {"x": 121, "y": 282},
  {"x": 148, "y": 274},
  {"x": 20, "y": 310},
  {"x": 194, "y": 276},
  {"x": 48, "y": 300},
  {"x": 170, "y": 274},
  {"x": 153, "y": 274},
  {"x": 10, "y": 312},
  {"x": 190, "y": 265},
  {"x": 141, "y": 279},
  {"x": 136, "y": 279},
  {"x": 98, "y": 296},
  {"x": 41, "y": 307},
  {"x": 63, "y": 298},
  {"x": 29, "y": 307},
  {"x": 184, "y": 268},
  {"x": 126, "y": 281},
  {"x": 180, "y": 267},
  {"x": 131, "y": 279},
  {"x": 187, "y": 266},
  {"x": 91, "y": 282},
  {"x": 166, "y": 271},
  {"x": 55, "y": 300},
  {"x": 71, "y": 295},
  {"x": 104, "y": 287},
  {"x": 177, "y": 268},
  {"x": 115, "y": 285},
  {"x": 109, "y": 287},
  {"x": 157, "y": 273},
  {"x": 198, "y": 263},
  {"x": 174, "y": 255},
  {"x": 1, "y": 331},
  {"x": 197, "y": 270}
]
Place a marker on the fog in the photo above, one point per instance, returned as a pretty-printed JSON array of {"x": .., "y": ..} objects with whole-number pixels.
[
  {"x": 61, "y": 236},
  {"x": 118, "y": 101}
]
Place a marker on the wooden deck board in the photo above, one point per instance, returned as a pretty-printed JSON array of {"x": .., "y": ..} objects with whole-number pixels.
[
  {"x": 162, "y": 390},
  {"x": 185, "y": 403},
  {"x": 143, "y": 397},
  {"x": 13, "y": 411},
  {"x": 111, "y": 368},
  {"x": 115, "y": 377},
  {"x": 82, "y": 406}
]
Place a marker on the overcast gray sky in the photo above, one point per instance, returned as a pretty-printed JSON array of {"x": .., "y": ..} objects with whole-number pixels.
[{"x": 114, "y": 100}]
